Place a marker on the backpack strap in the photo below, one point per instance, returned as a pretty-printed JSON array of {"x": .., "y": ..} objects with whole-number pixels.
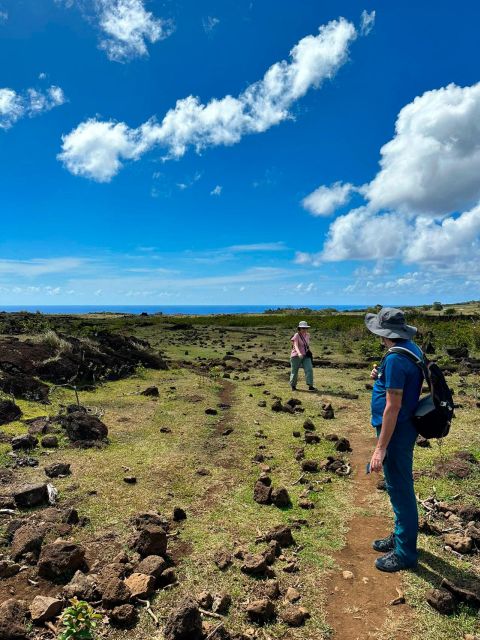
[{"x": 421, "y": 362}]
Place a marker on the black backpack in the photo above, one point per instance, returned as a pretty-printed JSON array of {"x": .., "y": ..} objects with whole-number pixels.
[{"x": 435, "y": 411}]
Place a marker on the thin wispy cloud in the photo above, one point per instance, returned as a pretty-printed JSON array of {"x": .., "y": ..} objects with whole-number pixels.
[
  {"x": 40, "y": 266},
  {"x": 216, "y": 191},
  {"x": 209, "y": 23},
  {"x": 29, "y": 103},
  {"x": 97, "y": 149},
  {"x": 367, "y": 22}
]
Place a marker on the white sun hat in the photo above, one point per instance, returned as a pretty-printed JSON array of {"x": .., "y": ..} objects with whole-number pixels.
[{"x": 303, "y": 325}]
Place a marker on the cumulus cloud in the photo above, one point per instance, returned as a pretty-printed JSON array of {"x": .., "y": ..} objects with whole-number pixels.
[
  {"x": 14, "y": 106},
  {"x": 423, "y": 204},
  {"x": 325, "y": 200},
  {"x": 127, "y": 28},
  {"x": 219, "y": 122},
  {"x": 367, "y": 22},
  {"x": 431, "y": 165}
]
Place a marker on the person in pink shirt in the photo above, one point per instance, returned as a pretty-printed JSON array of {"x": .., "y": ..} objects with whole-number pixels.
[{"x": 301, "y": 356}]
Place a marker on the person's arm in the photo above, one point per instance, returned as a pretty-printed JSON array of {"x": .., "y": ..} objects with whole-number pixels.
[
  {"x": 296, "y": 346},
  {"x": 389, "y": 421}
]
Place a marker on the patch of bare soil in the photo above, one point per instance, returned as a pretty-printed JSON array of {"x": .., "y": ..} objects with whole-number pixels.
[{"x": 358, "y": 607}]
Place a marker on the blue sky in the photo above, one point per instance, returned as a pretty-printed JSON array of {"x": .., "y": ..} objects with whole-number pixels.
[{"x": 112, "y": 192}]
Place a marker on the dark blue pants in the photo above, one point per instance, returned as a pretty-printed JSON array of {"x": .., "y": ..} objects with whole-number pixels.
[{"x": 398, "y": 473}]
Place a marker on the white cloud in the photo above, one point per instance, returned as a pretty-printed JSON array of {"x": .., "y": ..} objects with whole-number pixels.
[
  {"x": 259, "y": 246},
  {"x": 42, "y": 75},
  {"x": 325, "y": 200},
  {"x": 3, "y": 16},
  {"x": 40, "y": 266},
  {"x": 216, "y": 191},
  {"x": 219, "y": 122},
  {"x": 367, "y": 22},
  {"x": 14, "y": 106},
  {"x": 423, "y": 204},
  {"x": 431, "y": 165},
  {"x": 128, "y": 27},
  {"x": 210, "y": 23}
]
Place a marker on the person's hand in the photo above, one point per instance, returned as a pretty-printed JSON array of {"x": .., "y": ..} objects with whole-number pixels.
[
  {"x": 374, "y": 373},
  {"x": 377, "y": 460}
]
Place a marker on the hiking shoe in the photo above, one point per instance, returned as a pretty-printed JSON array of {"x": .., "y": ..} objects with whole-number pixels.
[
  {"x": 391, "y": 563},
  {"x": 385, "y": 544},
  {"x": 312, "y": 388}
]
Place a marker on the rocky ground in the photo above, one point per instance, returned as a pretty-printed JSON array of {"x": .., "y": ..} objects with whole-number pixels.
[{"x": 166, "y": 474}]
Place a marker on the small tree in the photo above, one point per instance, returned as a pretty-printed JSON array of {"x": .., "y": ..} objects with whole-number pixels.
[
  {"x": 79, "y": 621},
  {"x": 451, "y": 311},
  {"x": 437, "y": 306}
]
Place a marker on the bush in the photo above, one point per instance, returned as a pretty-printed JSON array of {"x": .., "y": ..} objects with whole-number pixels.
[
  {"x": 57, "y": 344},
  {"x": 79, "y": 621},
  {"x": 451, "y": 311},
  {"x": 437, "y": 306}
]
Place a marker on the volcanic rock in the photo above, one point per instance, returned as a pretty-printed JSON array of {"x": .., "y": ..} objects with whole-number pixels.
[
  {"x": 327, "y": 412},
  {"x": 310, "y": 466},
  {"x": 44, "y": 608},
  {"x": 211, "y": 412},
  {"x": 151, "y": 391},
  {"x": 280, "y": 497},
  {"x": 81, "y": 586},
  {"x": 254, "y": 564},
  {"x": 25, "y": 441},
  {"x": 83, "y": 427},
  {"x": 179, "y": 514},
  {"x": 205, "y": 600},
  {"x": 308, "y": 425},
  {"x": 271, "y": 589},
  {"x": 458, "y": 542},
  {"x": 262, "y": 493},
  {"x": 12, "y": 620},
  {"x": 57, "y": 469},
  {"x": 185, "y": 623},
  {"x": 292, "y": 595},
  {"x": 441, "y": 600},
  {"x": 282, "y": 534},
  {"x": 115, "y": 592},
  {"x": 342, "y": 445},
  {"x": 151, "y": 540},
  {"x": 9, "y": 412},
  {"x": 124, "y": 616},
  {"x": 8, "y": 569},
  {"x": 31, "y": 495},
  {"x": 311, "y": 438},
  {"x": 60, "y": 560},
  {"x": 27, "y": 539},
  {"x": 49, "y": 442},
  {"x": 261, "y": 611},
  {"x": 223, "y": 559},
  {"x": 221, "y": 603},
  {"x": 293, "y": 616},
  {"x": 140, "y": 585},
  {"x": 152, "y": 566}
]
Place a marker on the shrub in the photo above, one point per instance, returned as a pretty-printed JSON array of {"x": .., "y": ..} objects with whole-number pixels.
[
  {"x": 437, "y": 306},
  {"x": 451, "y": 311},
  {"x": 79, "y": 621},
  {"x": 54, "y": 341}
]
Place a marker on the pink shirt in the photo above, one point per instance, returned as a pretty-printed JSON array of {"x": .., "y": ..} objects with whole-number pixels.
[{"x": 297, "y": 340}]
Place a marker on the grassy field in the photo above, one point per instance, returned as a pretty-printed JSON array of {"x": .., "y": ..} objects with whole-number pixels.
[{"x": 221, "y": 512}]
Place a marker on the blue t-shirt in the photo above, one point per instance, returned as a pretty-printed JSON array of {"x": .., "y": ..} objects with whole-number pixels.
[{"x": 397, "y": 372}]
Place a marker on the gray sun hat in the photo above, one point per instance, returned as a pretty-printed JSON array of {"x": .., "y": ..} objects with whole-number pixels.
[
  {"x": 303, "y": 325},
  {"x": 389, "y": 323}
]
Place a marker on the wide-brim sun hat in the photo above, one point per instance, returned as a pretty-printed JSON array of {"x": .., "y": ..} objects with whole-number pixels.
[
  {"x": 303, "y": 325},
  {"x": 389, "y": 323}
]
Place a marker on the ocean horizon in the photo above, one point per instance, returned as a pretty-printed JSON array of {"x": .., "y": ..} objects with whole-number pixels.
[{"x": 165, "y": 309}]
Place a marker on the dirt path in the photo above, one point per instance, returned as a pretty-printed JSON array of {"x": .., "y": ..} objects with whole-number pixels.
[{"x": 358, "y": 608}]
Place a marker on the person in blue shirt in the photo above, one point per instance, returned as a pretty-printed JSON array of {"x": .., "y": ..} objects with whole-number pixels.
[{"x": 395, "y": 395}]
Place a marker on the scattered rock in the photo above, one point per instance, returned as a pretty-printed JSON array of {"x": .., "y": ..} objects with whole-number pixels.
[
  {"x": 8, "y": 569},
  {"x": 293, "y": 616},
  {"x": 179, "y": 514},
  {"x": 282, "y": 534},
  {"x": 272, "y": 589},
  {"x": 82, "y": 427},
  {"x": 308, "y": 425},
  {"x": 130, "y": 479},
  {"x": 57, "y": 469},
  {"x": 124, "y": 616},
  {"x": 9, "y": 411},
  {"x": 262, "y": 493},
  {"x": 81, "y": 586},
  {"x": 151, "y": 391},
  {"x": 141, "y": 585},
  {"x": 12, "y": 620},
  {"x": 25, "y": 442},
  {"x": 60, "y": 560},
  {"x": 327, "y": 412},
  {"x": 277, "y": 406},
  {"x": 311, "y": 438},
  {"x": 261, "y": 611},
  {"x": 292, "y": 595},
  {"x": 348, "y": 575},
  {"x": 280, "y": 497},
  {"x": 151, "y": 540},
  {"x": 44, "y": 608},
  {"x": 470, "y": 596},
  {"x": 49, "y": 442},
  {"x": 342, "y": 445},
  {"x": 223, "y": 559},
  {"x": 31, "y": 495},
  {"x": 254, "y": 564},
  {"x": 27, "y": 539},
  {"x": 459, "y": 542},
  {"x": 304, "y": 503},
  {"x": 211, "y": 412},
  {"x": 310, "y": 466},
  {"x": 221, "y": 603},
  {"x": 115, "y": 592},
  {"x": 271, "y": 552},
  {"x": 441, "y": 600},
  {"x": 262, "y": 403},
  {"x": 205, "y": 600}
]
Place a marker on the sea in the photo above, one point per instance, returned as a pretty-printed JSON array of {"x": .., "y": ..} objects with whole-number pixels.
[{"x": 198, "y": 310}]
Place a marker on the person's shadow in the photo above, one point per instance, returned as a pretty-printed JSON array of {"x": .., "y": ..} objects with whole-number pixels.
[{"x": 433, "y": 569}]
